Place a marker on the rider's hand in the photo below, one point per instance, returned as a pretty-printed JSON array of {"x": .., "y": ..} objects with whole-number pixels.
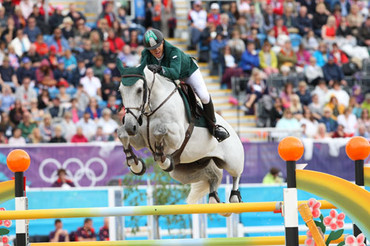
[{"x": 155, "y": 68}]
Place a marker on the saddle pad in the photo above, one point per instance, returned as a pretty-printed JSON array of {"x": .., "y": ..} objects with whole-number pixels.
[{"x": 192, "y": 108}]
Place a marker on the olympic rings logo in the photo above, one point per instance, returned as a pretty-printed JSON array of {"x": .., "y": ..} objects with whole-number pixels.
[{"x": 83, "y": 170}]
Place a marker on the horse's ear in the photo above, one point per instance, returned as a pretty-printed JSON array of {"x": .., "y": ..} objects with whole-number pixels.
[{"x": 120, "y": 67}]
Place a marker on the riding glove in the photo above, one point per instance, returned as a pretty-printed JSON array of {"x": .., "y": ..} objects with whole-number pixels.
[{"x": 155, "y": 68}]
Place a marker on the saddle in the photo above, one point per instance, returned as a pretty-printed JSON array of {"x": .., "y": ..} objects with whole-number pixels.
[{"x": 193, "y": 109}]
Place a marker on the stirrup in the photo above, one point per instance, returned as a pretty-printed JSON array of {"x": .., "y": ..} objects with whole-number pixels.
[{"x": 222, "y": 130}]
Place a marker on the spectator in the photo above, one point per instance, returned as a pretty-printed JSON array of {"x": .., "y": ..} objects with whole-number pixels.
[
  {"x": 340, "y": 94},
  {"x": 236, "y": 45},
  {"x": 327, "y": 119},
  {"x": 111, "y": 105},
  {"x": 116, "y": 43},
  {"x": 40, "y": 20},
  {"x": 62, "y": 180},
  {"x": 344, "y": 33},
  {"x": 256, "y": 88},
  {"x": 32, "y": 30},
  {"x": 56, "y": 19},
  {"x": 198, "y": 21},
  {"x": 366, "y": 103},
  {"x": 35, "y": 136},
  {"x": 290, "y": 22},
  {"x": 79, "y": 136},
  {"x": 60, "y": 73},
  {"x": 20, "y": 21},
  {"x": 87, "y": 124},
  {"x": 108, "y": 86},
  {"x": 99, "y": 67},
  {"x": 287, "y": 57},
  {"x": 315, "y": 107},
  {"x": 339, "y": 133},
  {"x": 16, "y": 113},
  {"x": 233, "y": 13},
  {"x": 279, "y": 27},
  {"x": 349, "y": 121},
  {"x": 99, "y": 136},
  {"x": 273, "y": 176},
  {"x": 86, "y": 232},
  {"x": 17, "y": 138},
  {"x": 286, "y": 94},
  {"x": 333, "y": 73},
  {"x": 3, "y": 19},
  {"x": 82, "y": 97},
  {"x": 320, "y": 18},
  {"x": 56, "y": 110},
  {"x": 68, "y": 31},
  {"x": 88, "y": 54},
  {"x": 91, "y": 84},
  {"x": 296, "y": 106},
  {"x": 127, "y": 58},
  {"x": 303, "y": 58},
  {"x": 288, "y": 122},
  {"x": 93, "y": 109},
  {"x": 26, "y": 70},
  {"x": 78, "y": 73},
  {"x": 6, "y": 126},
  {"x": 58, "y": 137},
  {"x": 304, "y": 23},
  {"x": 276, "y": 112},
  {"x": 304, "y": 94},
  {"x": 244, "y": 7},
  {"x": 41, "y": 47},
  {"x": 27, "y": 125},
  {"x": 243, "y": 27},
  {"x": 216, "y": 45},
  {"x": 7, "y": 98},
  {"x": 45, "y": 75},
  {"x": 321, "y": 132},
  {"x": 46, "y": 128},
  {"x": 254, "y": 19},
  {"x": 311, "y": 124},
  {"x": 58, "y": 41},
  {"x": 95, "y": 43},
  {"x": 68, "y": 126},
  {"x": 43, "y": 99},
  {"x": 340, "y": 57},
  {"x": 33, "y": 56},
  {"x": 268, "y": 60},
  {"x": 355, "y": 19},
  {"x": 69, "y": 61},
  {"x": 36, "y": 114},
  {"x": 59, "y": 235},
  {"x": 7, "y": 74},
  {"x": 252, "y": 37},
  {"x": 357, "y": 94},
  {"x": 107, "y": 123},
  {"x": 74, "y": 14},
  {"x": 268, "y": 18},
  {"x": 335, "y": 106},
  {"x": 365, "y": 119},
  {"x": 313, "y": 72},
  {"x": 321, "y": 54},
  {"x": 362, "y": 131},
  {"x": 224, "y": 27},
  {"x": 63, "y": 96},
  {"x": 75, "y": 111},
  {"x": 231, "y": 69},
  {"x": 10, "y": 31},
  {"x": 329, "y": 30},
  {"x": 214, "y": 17},
  {"x": 364, "y": 33},
  {"x": 104, "y": 231},
  {"x": 356, "y": 108},
  {"x": 310, "y": 41},
  {"x": 249, "y": 59}
]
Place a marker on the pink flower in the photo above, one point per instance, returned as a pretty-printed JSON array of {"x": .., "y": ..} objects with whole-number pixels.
[
  {"x": 2, "y": 209},
  {"x": 7, "y": 223},
  {"x": 309, "y": 240},
  {"x": 334, "y": 220},
  {"x": 1, "y": 222},
  {"x": 5, "y": 239},
  {"x": 314, "y": 207},
  {"x": 355, "y": 241}
]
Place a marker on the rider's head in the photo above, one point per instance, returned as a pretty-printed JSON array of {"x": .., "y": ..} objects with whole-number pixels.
[{"x": 153, "y": 41}]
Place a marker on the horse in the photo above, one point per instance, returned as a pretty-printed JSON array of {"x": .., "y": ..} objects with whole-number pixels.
[{"x": 156, "y": 119}]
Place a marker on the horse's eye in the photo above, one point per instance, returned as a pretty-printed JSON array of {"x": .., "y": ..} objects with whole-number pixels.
[{"x": 139, "y": 91}]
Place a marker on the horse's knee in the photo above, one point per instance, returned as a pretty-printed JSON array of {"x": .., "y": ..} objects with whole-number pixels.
[{"x": 160, "y": 131}]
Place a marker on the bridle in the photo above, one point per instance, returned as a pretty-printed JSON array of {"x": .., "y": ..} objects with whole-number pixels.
[{"x": 146, "y": 103}]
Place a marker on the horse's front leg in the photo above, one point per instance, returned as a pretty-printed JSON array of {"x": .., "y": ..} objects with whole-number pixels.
[
  {"x": 164, "y": 162},
  {"x": 136, "y": 165}
]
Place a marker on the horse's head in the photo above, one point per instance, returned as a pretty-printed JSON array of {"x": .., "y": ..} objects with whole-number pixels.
[{"x": 134, "y": 93}]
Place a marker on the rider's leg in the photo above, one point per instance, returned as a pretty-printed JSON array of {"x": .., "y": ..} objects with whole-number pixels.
[{"x": 199, "y": 86}]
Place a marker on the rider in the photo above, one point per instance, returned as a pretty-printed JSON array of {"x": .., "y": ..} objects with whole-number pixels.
[{"x": 163, "y": 58}]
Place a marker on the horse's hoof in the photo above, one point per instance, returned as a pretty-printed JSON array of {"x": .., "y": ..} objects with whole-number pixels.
[
  {"x": 138, "y": 169},
  {"x": 171, "y": 166},
  {"x": 235, "y": 196},
  {"x": 213, "y": 196},
  {"x": 225, "y": 214}
]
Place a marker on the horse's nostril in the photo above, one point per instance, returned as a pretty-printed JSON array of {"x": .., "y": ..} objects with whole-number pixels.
[{"x": 134, "y": 128}]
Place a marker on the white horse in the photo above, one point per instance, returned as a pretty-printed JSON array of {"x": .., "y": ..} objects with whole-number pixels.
[{"x": 155, "y": 99}]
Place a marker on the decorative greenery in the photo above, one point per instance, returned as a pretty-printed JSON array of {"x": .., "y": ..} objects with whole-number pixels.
[
  {"x": 3, "y": 231},
  {"x": 166, "y": 191}
]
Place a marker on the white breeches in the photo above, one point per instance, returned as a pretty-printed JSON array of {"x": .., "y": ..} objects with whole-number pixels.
[{"x": 196, "y": 81}]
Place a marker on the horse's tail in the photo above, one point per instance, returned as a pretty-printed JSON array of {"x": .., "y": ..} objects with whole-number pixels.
[{"x": 197, "y": 191}]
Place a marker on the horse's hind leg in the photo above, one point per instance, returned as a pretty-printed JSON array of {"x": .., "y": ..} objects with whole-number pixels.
[{"x": 235, "y": 193}]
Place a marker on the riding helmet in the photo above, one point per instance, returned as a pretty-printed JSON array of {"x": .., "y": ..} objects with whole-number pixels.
[{"x": 153, "y": 39}]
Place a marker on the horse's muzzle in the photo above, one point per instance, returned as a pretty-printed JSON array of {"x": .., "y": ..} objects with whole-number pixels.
[{"x": 131, "y": 130}]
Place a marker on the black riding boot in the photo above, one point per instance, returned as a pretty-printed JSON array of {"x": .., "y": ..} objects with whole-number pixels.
[{"x": 219, "y": 132}]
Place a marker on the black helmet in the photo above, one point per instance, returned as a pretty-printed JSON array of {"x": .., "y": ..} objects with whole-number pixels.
[{"x": 152, "y": 39}]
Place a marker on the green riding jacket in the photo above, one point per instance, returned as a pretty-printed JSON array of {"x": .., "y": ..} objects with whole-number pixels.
[{"x": 175, "y": 63}]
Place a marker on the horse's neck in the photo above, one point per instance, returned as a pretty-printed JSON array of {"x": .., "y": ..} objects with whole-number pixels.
[{"x": 160, "y": 91}]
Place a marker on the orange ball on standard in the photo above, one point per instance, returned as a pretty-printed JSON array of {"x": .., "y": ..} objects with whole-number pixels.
[
  {"x": 18, "y": 160},
  {"x": 358, "y": 148},
  {"x": 290, "y": 149}
]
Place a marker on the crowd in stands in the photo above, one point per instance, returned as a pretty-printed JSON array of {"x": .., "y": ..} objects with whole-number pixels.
[
  {"x": 58, "y": 77},
  {"x": 303, "y": 63}
]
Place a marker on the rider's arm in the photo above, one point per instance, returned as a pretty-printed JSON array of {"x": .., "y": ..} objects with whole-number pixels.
[{"x": 173, "y": 71}]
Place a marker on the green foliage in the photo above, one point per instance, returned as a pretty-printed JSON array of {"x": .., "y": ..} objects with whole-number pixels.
[
  {"x": 341, "y": 243},
  {"x": 166, "y": 191},
  {"x": 3, "y": 231},
  {"x": 320, "y": 224},
  {"x": 334, "y": 235}
]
